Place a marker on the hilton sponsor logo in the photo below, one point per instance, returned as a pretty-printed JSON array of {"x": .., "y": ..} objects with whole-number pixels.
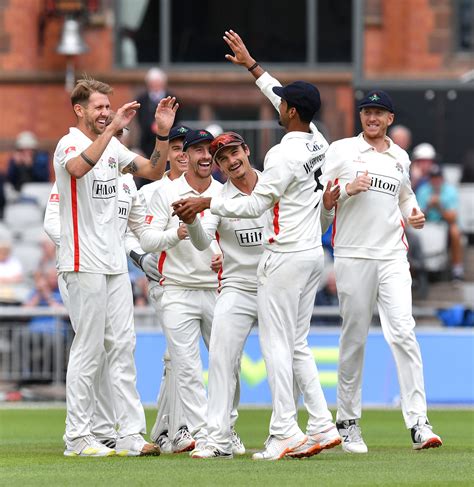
[
  {"x": 104, "y": 189},
  {"x": 382, "y": 183},
  {"x": 123, "y": 209},
  {"x": 251, "y": 237}
]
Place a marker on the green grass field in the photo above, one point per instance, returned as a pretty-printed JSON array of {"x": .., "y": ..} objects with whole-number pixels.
[{"x": 31, "y": 454}]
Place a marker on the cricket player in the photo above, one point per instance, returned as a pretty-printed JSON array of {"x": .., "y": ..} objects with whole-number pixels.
[
  {"x": 92, "y": 262},
  {"x": 131, "y": 214},
  {"x": 371, "y": 267},
  {"x": 170, "y": 431},
  {"x": 236, "y": 307},
  {"x": 290, "y": 267},
  {"x": 190, "y": 285}
]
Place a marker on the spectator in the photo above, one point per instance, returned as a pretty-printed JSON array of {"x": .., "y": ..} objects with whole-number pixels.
[
  {"x": 401, "y": 136},
  {"x": 156, "y": 88},
  {"x": 156, "y": 82},
  {"x": 11, "y": 273},
  {"x": 45, "y": 293},
  {"x": 327, "y": 296},
  {"x": 140, "y": 291},
  {"x": 48, "y": 256},
  {"x": 439, "y": 201},
  {"x": 27, "y": 164},
  {"x": 422, "y": 158},
  {"x": 11, "y": 270}
]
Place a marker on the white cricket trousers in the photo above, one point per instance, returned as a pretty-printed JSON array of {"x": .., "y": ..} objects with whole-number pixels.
[
  {"x": 169, "y": 415},
  {"x": 287, "y": 285},
  {"x": 362, "y": 283},
  {"x": 104, "y": 422},
  {"x": 101, "y": 306},
  {"x": 187, "y": 315},
  {"x": 234, "y": 315}
]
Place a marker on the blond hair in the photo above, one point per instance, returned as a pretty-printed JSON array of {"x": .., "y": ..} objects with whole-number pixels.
[{"x": 86, "y": 87}]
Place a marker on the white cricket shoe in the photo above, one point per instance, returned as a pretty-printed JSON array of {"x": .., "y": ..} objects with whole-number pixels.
[
  {"x": 238, "y": 448},
  {"x": 316, "y": 443},
  {"x": 352, "y": 441},
  {"x": 165, "y": 444},
  {"x": 87, "y": 446},
  {"x": 276, "y": 449},
  {"x": 107, "y": 441},
  {"x": 183, "y": 441},
  {"x": 423, "y": 436},
  {"x": 210, "y": 451},
  {"x": 135, "y": 446}
]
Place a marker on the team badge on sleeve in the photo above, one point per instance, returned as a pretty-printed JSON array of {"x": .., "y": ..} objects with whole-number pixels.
[
  {"x": 148, "y": 219},
  {"x": 112, "y": 163},
  {"x": 54, "y": 198},
  {"x": 70, "y": 149}
]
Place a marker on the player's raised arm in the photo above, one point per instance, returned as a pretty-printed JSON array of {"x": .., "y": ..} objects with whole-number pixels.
[
  {"x": 155, "y": 167},
  {"x": 241, "y": 55}
]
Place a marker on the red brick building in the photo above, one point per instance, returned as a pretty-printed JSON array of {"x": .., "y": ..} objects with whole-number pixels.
[{"x": 389, "y": 41}]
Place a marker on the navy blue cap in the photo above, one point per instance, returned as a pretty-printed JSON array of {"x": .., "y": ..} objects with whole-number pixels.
[
  {"x": 377, "y": 98},
  {"x": 300, "y": 94},
  {"x": 195, "y": 136},
  {"x": 178, "y": 131}
]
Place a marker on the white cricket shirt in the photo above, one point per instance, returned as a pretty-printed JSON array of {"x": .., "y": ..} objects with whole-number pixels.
[
  {"x": 130, "y": 210},
  {"x": 289, "y": 186},
  {"x": 371, "y": 224},
  {"x": 91, "y": 239},
  {"x": 240, "y": 240},
  {"x": 180, "y": 263}
]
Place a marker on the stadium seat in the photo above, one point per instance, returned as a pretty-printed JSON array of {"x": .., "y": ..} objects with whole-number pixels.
[
  {"x": 38, "y": 192},
  {"x": 434, "y": 245},
  {"x": 29, "y": 255},
  {"x": 20, "y": 215},
  {"x": 466, "y": 207},
  {"x": 33, "y": 234}
]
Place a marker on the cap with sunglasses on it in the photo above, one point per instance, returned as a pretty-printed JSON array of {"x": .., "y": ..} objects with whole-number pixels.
[{"x": 225, "y": 139}]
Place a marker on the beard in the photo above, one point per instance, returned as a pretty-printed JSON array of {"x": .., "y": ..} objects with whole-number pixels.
[{"x": 92, "y": 126}]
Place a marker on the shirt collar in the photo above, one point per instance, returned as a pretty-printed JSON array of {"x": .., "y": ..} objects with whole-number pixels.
[
  {"x": 298, "y": 135},
  {"x": 364, "y": 146},
  {"x": 185, "y": 188},
  {"x": 78, "y": 133},
  {"x": 231, "y": 190}
]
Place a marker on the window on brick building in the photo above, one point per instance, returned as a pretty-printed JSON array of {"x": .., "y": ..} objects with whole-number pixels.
[
  {"x": 465, "y": 25},
  {"x": 307, "y": 33},
  {"x": 138, "y": 32}
]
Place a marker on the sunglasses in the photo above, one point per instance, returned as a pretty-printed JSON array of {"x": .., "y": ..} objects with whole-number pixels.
[{"x": 225, "y": 139}]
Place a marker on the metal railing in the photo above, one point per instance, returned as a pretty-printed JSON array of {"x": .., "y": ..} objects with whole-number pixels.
[{"x": 35, "y": 342}]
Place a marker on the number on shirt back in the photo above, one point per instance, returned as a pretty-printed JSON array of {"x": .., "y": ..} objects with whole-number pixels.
[
  {"x": 319, "y": 186},
  {"x": 317, "y": 175}
]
